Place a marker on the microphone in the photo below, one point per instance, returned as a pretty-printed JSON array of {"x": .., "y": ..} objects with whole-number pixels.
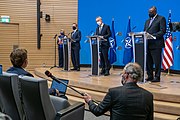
[
  {"x": 68, "y": 34},
  {"x": 59, "y": 81},
  {"x": 133, "y": 27},
  {"x": 90, "y": 34},
  {"x": 55, "y": 36},
  {"x": 49, "y": 74}
]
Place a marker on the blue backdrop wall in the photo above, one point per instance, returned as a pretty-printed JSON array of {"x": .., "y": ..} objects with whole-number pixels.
[{"x": 120, "y": 10}]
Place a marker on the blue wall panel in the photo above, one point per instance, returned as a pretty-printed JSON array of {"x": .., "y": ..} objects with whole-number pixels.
[{"x": 88, "y": 10}]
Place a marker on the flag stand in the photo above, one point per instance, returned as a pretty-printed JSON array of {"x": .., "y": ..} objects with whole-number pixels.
[
  {"x": 112, "y": 67},
  {"x": 169, "y": 74}
]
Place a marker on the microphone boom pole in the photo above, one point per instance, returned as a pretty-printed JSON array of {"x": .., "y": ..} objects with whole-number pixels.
[
  {"x": 59, "y": 81},
  {"x": 49, "y": 74},
  {"x": 55, "y": 36}
]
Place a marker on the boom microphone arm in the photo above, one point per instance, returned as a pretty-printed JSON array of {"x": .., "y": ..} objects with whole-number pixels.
[
  {"x": 59, "y": 81},
  {"x": 49, "y": 74}
]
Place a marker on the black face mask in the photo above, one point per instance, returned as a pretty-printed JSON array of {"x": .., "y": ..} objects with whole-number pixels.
[
  {"x": 73, "y": 27},
  {"x": 62, "y": 33},
  {"x": 151, "y": 15}
]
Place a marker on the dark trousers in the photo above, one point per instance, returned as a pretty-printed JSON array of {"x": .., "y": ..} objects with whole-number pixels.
[
  {"x": 60, "y": 51},
  {"x": 105, "y": 64},
  {"x": 75, "y": 57},
  {"x": 154, "y": 57}
]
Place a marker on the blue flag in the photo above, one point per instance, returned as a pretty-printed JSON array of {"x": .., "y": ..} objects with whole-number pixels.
[
  {"x": 112, "y": 39},
  {"x": 128, "y": 48}
]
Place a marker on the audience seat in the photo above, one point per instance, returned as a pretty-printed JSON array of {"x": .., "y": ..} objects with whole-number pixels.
[
  {"x": 10, "y": 102},
  {"x": 39, "y": 105}
]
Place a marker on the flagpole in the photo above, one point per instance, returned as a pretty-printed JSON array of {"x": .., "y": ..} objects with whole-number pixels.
[
  {"x": 112, "y": 64},
  {"x": 169, "y": 74},
  {"x": 168, "y": 60}
]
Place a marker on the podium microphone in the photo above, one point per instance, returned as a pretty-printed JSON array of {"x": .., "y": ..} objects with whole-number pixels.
[
  {"x": 49, "y": 74},
  {"x": 68, "y": 34},
  {"x": 90, "y": 34},
  {"x": 134, "y": 28},
  {"x": 55, "y": 36}
]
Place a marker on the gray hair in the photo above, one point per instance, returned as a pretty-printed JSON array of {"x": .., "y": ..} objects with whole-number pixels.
[
  {"x": 134, "y": 70},
  {"x": 99, "y": 17}
]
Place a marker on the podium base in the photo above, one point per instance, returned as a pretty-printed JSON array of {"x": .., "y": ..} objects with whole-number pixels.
[
  {"x": 65, "y": 70},
  {"x": 94, "y": 75},
  {"x": 54, "y": 67}
]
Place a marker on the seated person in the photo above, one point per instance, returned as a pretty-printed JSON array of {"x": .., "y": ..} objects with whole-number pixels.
[
  {"x": 19, "y": 61},
  {"x": 127, "y": 102}
]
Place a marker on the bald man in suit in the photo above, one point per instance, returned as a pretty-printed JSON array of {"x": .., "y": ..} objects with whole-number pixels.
[{"x": 156, "y": 26}]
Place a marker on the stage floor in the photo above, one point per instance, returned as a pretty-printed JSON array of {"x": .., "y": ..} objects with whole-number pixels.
[{"x": 169, "y": 83}]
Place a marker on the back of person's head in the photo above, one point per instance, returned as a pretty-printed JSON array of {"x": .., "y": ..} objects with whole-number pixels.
[
  {"x": 18, "y": 57},
  {"x": 134, "y": 71}
]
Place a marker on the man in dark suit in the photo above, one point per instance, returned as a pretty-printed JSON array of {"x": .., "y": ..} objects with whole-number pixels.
[
  {"x": 104, "y": 32},
  {"x": 127, "y": 102},
  {"x": 156, "y": 26},
  {"x": 75, "y": 47}
]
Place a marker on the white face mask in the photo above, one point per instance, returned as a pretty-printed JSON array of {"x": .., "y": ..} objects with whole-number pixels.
[{"x": 99, "y": 23}]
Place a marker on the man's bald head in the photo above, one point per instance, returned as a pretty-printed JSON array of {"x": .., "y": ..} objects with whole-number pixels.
[{"x": 152, "y": 11}]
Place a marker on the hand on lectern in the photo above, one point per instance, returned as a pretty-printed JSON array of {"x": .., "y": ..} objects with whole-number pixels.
[
  {"x": 72, "y": 40},
  {"x": 149, "y": 36},
  {"x": 102, "y": 37}
]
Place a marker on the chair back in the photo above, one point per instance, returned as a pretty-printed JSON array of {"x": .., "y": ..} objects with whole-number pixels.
[
  {"x": 10, "y": 102},
  {"x": 35, "y": 96}
]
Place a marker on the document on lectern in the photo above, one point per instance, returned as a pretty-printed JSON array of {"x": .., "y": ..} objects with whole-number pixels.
[
  {"x": 100, "y": 38},
  {"x": 149, "y": 36}
]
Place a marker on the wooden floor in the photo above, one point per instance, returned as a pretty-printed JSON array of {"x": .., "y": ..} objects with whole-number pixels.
[{"x": 166, "y": 93}]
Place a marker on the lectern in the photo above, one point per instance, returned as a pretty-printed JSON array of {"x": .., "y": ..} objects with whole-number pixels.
[
  {"x": 139, "y": 41},
  {"x": 66, "y": 53},
  {"x": 95, "y": 57}
]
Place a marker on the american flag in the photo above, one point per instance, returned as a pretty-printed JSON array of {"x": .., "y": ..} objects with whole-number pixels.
[{"x": 168, "y": 50}]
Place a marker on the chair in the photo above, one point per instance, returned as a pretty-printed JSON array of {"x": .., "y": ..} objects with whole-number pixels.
[
  {"x": 10, "y": 102},
  {"x": 39, "y": 105}
]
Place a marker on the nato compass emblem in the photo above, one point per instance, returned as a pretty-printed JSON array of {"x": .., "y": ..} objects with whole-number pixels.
[
  {"x": 128, "y": 43},
  {"x": 112, "y": 42}
]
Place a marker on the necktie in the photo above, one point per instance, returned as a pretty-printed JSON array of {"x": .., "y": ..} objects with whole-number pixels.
[
  {"x": 100, "y": 28},
  {"x": 73, "y": 33},
  {"x": 151, "y": 21}
]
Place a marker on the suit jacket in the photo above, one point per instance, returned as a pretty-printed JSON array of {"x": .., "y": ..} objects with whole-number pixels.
[
  {"x": 77, "y": 38},
  {"x": 128, "y": 102},
  {"x": 157, "y": 29},
  {"x": 19, "y": 71},
  {"x": 106, "y": 33}
]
